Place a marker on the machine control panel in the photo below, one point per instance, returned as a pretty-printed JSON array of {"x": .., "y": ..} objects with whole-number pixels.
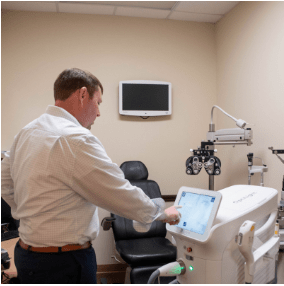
[
  {"x": 188, "y": 257},
  {"x": 189, "y": 249},
  {"x": 199, "y": 209}
]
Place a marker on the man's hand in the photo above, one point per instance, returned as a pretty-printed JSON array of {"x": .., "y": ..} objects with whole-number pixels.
[{"x": 172, "y": 215}]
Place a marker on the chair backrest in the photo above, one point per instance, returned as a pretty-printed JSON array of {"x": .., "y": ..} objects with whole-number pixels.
[{"x": 137, "y": 174}]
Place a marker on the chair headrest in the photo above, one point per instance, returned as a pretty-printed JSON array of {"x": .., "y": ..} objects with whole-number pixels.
[{"x": 134, "y": 170}]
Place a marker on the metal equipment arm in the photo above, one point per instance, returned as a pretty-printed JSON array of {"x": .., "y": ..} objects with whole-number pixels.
[
  {"x": 240, "y": 123},
  {"x": 231, "y": 136},
  {"x": 276, "y": 152}
]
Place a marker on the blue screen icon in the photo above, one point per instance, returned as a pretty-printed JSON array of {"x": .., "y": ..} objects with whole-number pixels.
[{"x": 184, "y": 224}]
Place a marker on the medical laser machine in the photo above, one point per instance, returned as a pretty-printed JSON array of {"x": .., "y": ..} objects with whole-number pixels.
[
  {"x": 204, "y": 155},
  {"x": 226, "y": 236}
]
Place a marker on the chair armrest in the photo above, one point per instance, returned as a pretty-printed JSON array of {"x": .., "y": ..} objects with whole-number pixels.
[{"x": 107, "y": 222}]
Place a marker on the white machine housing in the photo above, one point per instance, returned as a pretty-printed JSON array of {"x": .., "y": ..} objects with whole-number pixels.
[
  {"x": 218, "y": 259},
  {"x": 232, "y": 134}
]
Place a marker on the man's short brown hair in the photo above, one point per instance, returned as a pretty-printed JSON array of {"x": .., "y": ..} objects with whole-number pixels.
[{"x": 72, "y": 79}]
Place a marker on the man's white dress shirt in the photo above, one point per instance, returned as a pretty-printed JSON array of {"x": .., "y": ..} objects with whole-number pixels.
[{"x": 55, "y": 177}]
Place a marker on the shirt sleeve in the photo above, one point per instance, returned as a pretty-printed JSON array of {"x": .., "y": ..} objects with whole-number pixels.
[
  {"x": 142, "y": 227},
  {"x": 101, "y": 182},
  {"x": 7, "y": 184}
]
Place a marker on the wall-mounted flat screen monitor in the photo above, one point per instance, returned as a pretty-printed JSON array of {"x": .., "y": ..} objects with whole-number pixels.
[{"x": 145, "y": 98}]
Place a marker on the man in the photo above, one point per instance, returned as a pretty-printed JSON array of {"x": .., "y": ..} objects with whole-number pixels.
[{"x": 55, "y": 177}]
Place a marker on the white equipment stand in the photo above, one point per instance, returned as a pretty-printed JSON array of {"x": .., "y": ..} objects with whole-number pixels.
[{"x": 241, "y": 245}]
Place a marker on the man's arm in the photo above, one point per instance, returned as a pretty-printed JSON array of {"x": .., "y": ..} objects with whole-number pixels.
[
  {"x": 100, "y": 181},
  {"x": 7, "y": 184}
]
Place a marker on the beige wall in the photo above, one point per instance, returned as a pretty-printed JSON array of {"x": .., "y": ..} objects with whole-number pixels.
[
  {"x": 36, "y": 47},
  {"x": 250, "y": 80}
]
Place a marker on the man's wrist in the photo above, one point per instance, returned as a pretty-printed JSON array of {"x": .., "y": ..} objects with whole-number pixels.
[{"x": 161, "y": 205}]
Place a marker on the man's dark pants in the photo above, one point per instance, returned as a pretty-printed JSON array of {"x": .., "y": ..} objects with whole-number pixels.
[{"x": 78, "y": 266}]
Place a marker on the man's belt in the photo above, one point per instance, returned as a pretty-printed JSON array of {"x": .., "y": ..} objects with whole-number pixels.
[{"x": 54, "y": 249}]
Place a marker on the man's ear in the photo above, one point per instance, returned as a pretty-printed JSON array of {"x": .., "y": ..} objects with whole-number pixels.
[{"x": 83, "y": 94}]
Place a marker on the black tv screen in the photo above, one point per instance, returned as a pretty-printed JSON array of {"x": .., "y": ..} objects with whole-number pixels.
[{"x": 150, "y": 97}]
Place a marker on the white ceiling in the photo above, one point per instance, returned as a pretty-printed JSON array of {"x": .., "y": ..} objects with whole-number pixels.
[{"x": 198, "y": 11}]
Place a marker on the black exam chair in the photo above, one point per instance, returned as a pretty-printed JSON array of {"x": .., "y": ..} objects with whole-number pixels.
[
  {"x": 9, "y": 226},
  {"x": 144, "y": 252},
  {"x": 9, "y": 230}
]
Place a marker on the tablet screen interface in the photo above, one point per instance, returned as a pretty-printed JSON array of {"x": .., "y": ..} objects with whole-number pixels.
[{"x": 196, "y": 210}]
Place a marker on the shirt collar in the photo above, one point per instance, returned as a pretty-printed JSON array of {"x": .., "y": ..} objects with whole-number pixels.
[{"x": 61, "y": 112}]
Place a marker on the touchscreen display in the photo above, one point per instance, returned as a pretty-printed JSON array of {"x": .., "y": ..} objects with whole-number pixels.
[{"x": 195, "y": 211}]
